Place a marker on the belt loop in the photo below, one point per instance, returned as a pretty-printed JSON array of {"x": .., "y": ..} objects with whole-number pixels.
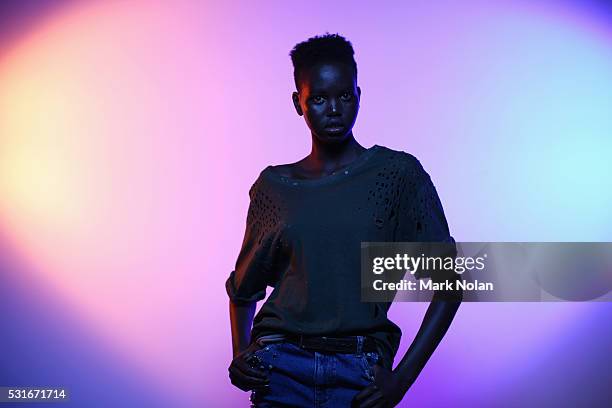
[
  {"x": 270, "y": 338},
  {"x": 359, "y": 344}
]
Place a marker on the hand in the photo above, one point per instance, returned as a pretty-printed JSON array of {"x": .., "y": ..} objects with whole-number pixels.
[
  {"x": 386, "y": 391},
  {"x": 243, "y": 375}
]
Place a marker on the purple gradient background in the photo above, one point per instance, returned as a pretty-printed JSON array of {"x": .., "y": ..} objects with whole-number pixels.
[{"x": 130, "y": 133}]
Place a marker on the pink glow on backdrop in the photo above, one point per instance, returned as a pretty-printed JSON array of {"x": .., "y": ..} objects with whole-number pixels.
[{"x": 130, "y": 133}]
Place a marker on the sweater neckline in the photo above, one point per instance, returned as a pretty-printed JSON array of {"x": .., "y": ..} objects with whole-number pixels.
[{"x": 337, "y": 175}]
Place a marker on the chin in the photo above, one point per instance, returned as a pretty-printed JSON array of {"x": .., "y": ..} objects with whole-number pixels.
[{"x": 333, "y": 137}]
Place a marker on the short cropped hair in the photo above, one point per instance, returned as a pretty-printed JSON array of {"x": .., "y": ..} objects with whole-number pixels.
[{"x": 317, "y": 49}]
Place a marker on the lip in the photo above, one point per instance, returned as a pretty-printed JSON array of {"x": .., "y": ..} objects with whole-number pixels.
[{"x": 334, "y": 126}]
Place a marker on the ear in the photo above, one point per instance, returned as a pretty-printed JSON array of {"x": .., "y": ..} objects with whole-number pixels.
[{"x": 296, "y": 103}]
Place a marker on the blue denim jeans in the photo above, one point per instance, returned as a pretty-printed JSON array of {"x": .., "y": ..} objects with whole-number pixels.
[{"x": 305, "y": 378}]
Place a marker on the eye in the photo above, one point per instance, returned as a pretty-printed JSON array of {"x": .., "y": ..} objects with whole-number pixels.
[
  {"x": 318, "y": 99},
  {"x": 346, "y": 96}
]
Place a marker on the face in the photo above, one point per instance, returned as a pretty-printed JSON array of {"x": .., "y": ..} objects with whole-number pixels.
[{"x": 328, "y": 98}]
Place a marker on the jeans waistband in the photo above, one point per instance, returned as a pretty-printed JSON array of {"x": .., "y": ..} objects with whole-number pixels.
[{"x": 347, "y": 344}]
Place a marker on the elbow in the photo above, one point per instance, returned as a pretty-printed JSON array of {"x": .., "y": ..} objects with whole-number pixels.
[
  {"x": 451, "y": 297},
  {"x": 238, "y": 302}
]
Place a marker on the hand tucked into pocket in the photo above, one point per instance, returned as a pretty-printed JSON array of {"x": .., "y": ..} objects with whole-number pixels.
[
  {"x": 244, "y": 371},
  {"x": 386, "y": 391}
]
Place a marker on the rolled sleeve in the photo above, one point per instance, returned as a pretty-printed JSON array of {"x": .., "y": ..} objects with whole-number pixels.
[{"x": 241, "y": 296}]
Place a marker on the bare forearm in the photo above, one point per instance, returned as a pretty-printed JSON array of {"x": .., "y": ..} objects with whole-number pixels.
[
  {"x": 436, "y": 322},
  {"x": 241, "y": 320}
]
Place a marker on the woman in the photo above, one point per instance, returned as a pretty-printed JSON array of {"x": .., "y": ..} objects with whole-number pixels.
[{"x": 314, "y": 343}]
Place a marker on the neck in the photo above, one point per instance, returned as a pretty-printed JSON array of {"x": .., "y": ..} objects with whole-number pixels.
[{"x": 323, "y": 155}]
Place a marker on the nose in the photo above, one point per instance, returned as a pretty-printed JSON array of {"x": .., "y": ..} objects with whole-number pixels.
[{"x": 333, "y": 106}]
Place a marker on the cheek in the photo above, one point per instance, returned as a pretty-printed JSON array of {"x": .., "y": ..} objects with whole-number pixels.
[
  {"x": 351, "y": 111},
  {"x": 314, "y": 115},
  {"x": 310, "y": 120}
]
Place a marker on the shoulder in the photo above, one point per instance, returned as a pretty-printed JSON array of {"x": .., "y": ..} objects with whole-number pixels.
[
  {"x": 258, "y": 184},
  {"x": 285, "y": 170},
  {"x": 295, "y": 170},
  {"x": 409, "y": 163},
  {"x": 265, "y": 202},
  {"x": 265, "y": 187}
]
